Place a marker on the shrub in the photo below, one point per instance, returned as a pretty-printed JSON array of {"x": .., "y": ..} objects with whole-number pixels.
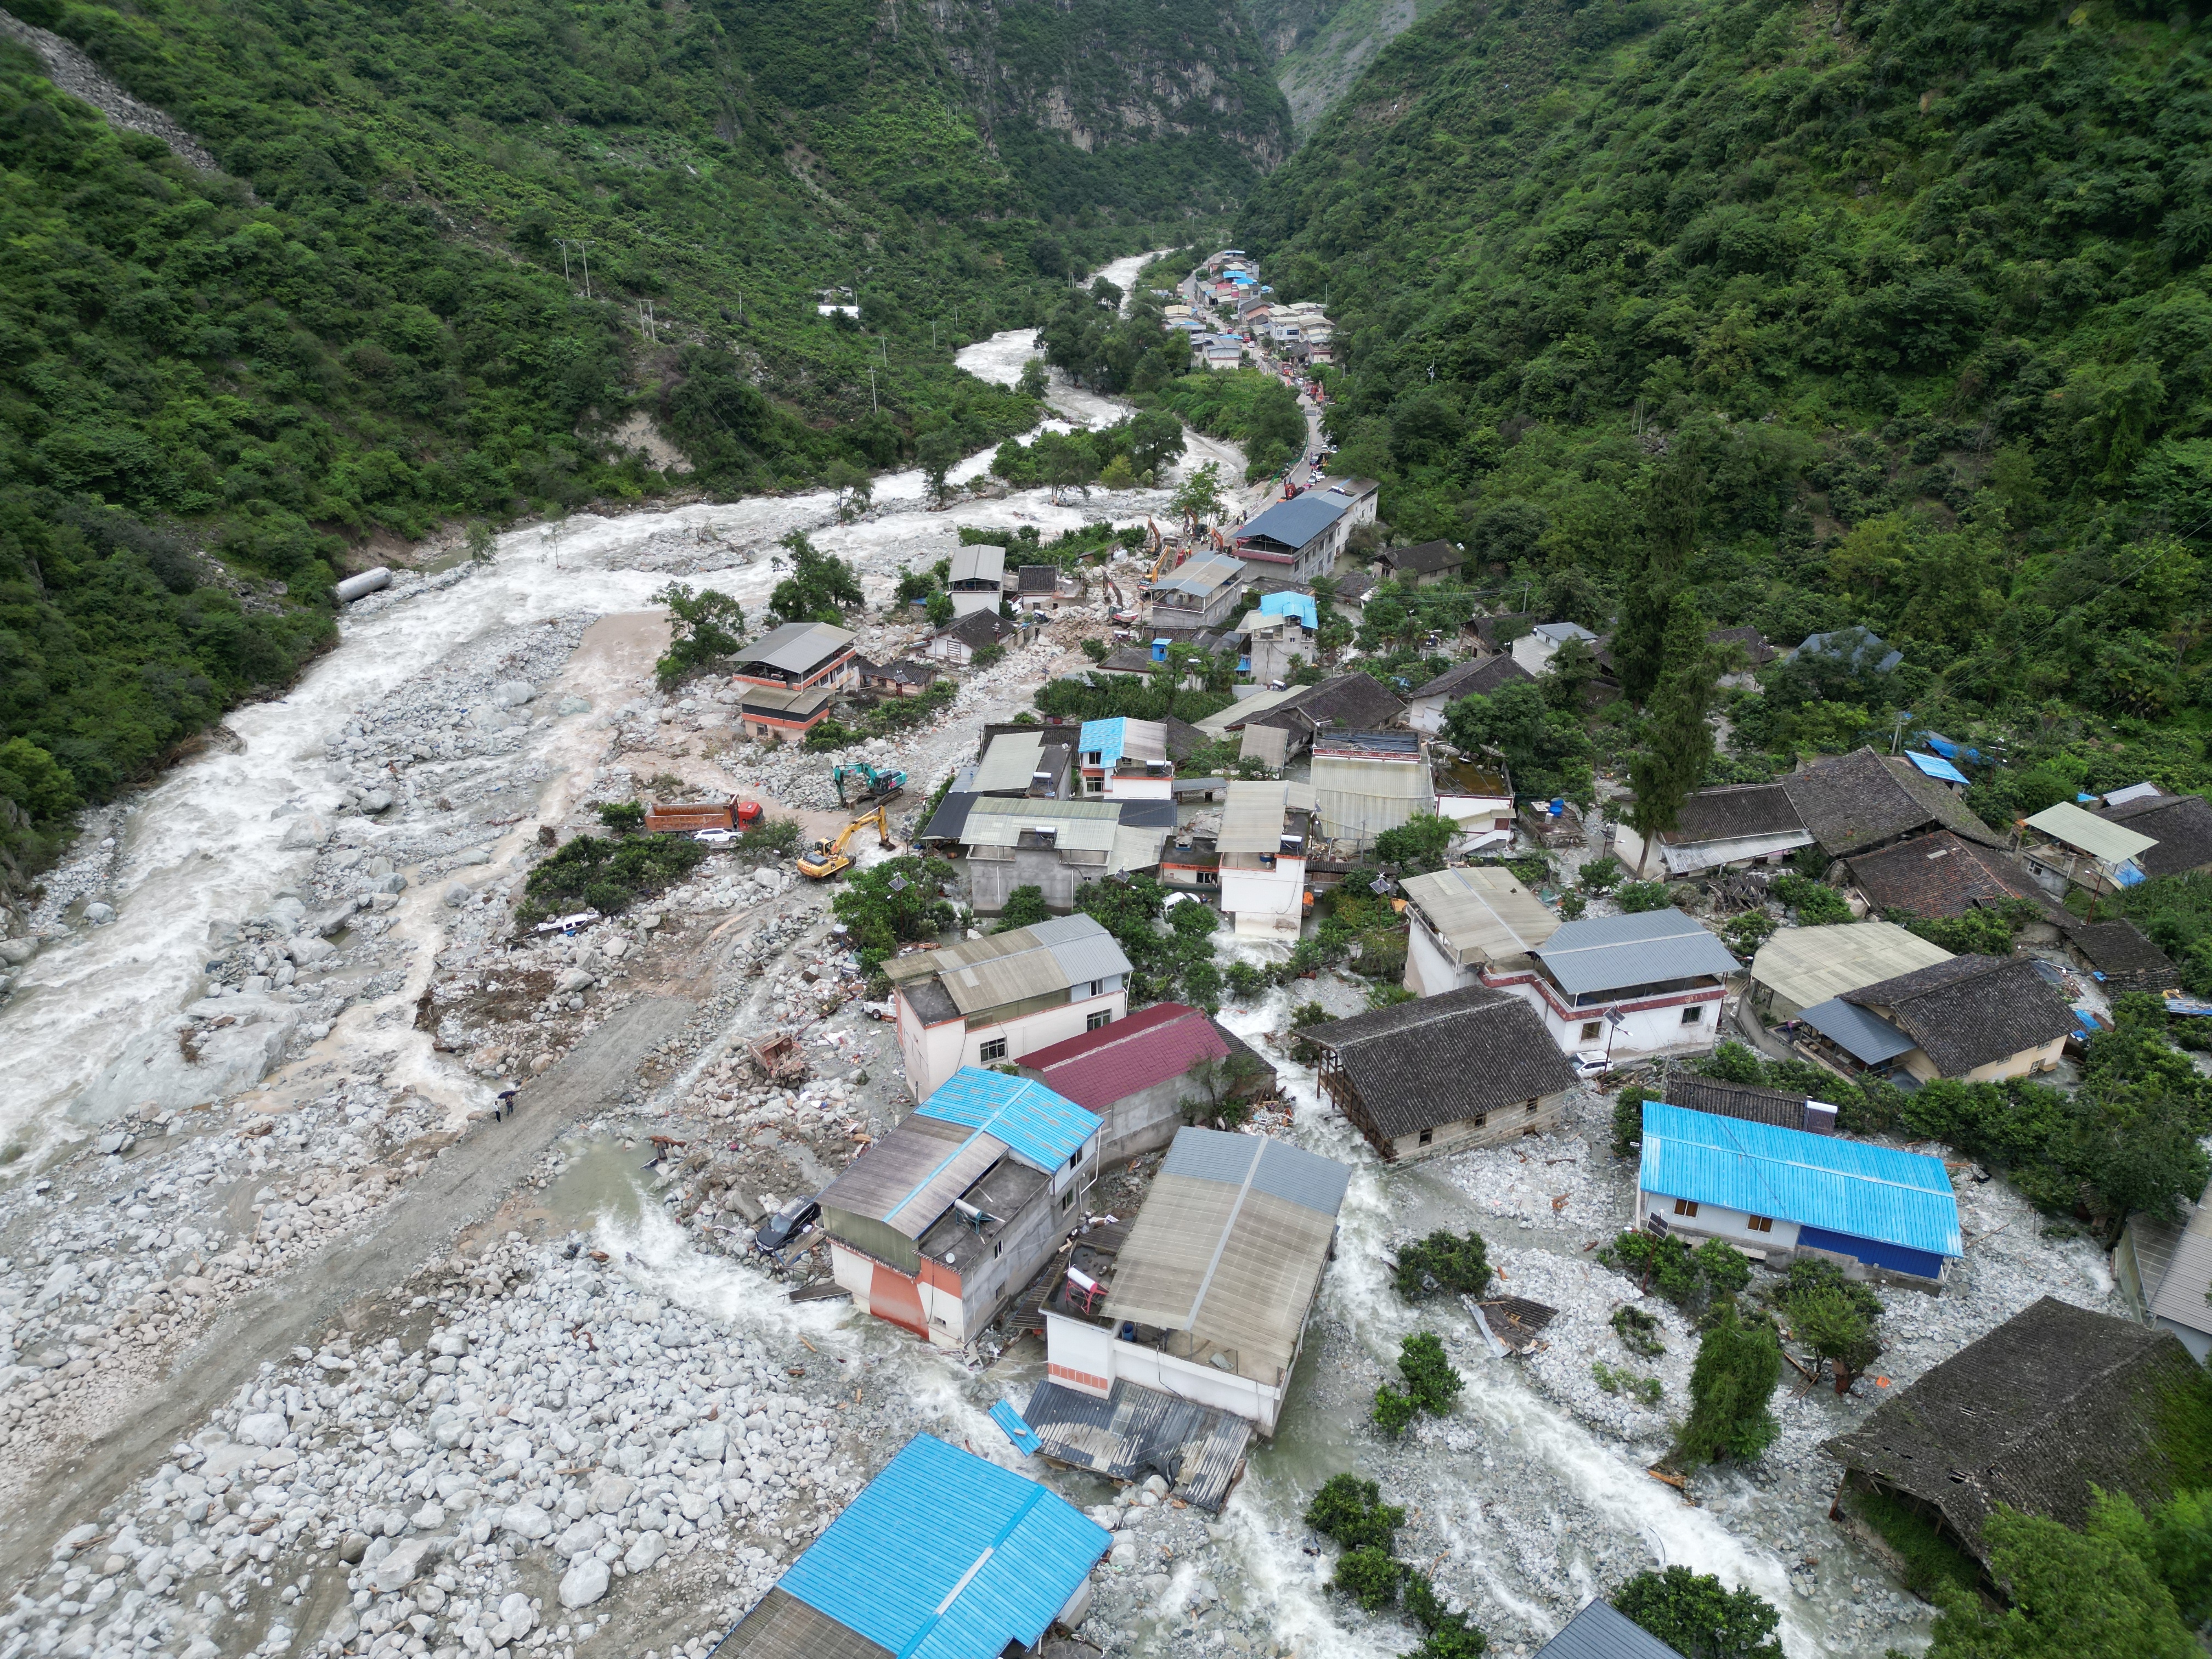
[
  {"x": 1447, "y": 1635},
  {"x": 1815, "y": 905},
  {"x": 1737, "y": 1366},
  {"x": 1628, "y": 1119},
  {"x": 1573, "y": 906},
  {"x": 1747, "y": 932},
  {"x": 1419, "y": 844},
  {"x": 1614, "y": 1380},
  {"x": 769, "y": 838},
  {"x": 1602, "y": 874},
  {"x": 1693, "y": 1613},
  {"x": 1833, "y": 1316},
  {"x": 1931, "y": 1559},
  {"x": 1244, "y": 981},
  {"x": 622, "y": 816},
  {"x": 1350, "y": 1512},
  {"x": 1688, "y": 1279},
  {"x": 1025, "y": 907},
  {"x": 1639, "y": 895},
  {"x": 830, "y": 734},
  {"x": 1458, "y": 1262},
  {"x": 1639, "y": 1331},
  {"x": 1394, "y": 1412},
  {"x": 608, "y": 876},
  {"x": 1370, "y": 1576}
]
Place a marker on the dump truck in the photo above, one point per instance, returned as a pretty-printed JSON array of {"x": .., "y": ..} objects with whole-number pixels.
[{"x": 689, "y": 816}]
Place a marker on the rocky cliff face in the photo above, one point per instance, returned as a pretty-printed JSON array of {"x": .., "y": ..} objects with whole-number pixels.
[{"x": 1319, "y": 47}]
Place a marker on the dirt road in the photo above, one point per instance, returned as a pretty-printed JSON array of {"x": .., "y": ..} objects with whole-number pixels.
[{"x": 468, "y": 1181}]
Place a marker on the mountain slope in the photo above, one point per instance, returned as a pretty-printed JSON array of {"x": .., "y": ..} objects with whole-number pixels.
[
  {"x": 1321, "y": 47},
  {"x": 1909, "y": 302}
]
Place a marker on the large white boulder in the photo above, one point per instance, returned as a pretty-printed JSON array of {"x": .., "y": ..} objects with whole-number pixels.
[
  {"x": 527, "y": 1521},
  {"x": 585, "y": 1583},
  {"x": 263, "y": 1429}
]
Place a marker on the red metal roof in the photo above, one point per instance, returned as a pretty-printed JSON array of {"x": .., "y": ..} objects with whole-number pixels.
[{"x": 1115, "y": 1061}]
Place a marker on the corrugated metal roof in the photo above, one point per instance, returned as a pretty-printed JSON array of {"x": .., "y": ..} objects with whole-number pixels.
[
  {"x": 781, "y": 1626},
  {"x": 1009, "y": 764},
  {"x": 1229, "y": 1246},
  {"x": 1866, "y": 1038},
  {"x": 1077, "y": 826},
  {"x": 1807, "y": 965},
  {"x": 1295, "y": 522},
  {"x": 795, "y": 646},
  {"x": 1082, "y": 947},
  {"x": 1102, "y": 738},
  {"x": 911, "y": 1174},
  {"x": 1600, "y": 1633},
  {"x": 1143, "y": 741},
  {"x": 1610, "y": 953},
  {"x": 1135, "y": 1431},
  {"x": 979, "y": 563},
  {"x": 1300, "y": 605},
  {"x": 2100, "y": 838},
  {"x": 2134, "y": 792},
  {"x": 1247, "y": 707},
  {"x": 1935, "y": 766},
  {"x": 1252, "y": 817},
  {"x": 2180, "y": 1294},
  {"x": 1024, "y": 1436},
  {"x": 1055, "y": 954},
  {"x": 944, "y": 1556},
  {"x": 1268, "y": 744},
  {"x": 1202, "y": 575},
  {"x": 1482, "y": 911},
  {"x": 1558, "y": 633},
  {"x": 1152, "y": 1047},
  {"x": 1043, "y": 1128},
  {"x": 1869, "y": 1192}
]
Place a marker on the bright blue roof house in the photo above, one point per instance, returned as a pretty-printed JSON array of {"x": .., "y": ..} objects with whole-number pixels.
[
  {"x": 1779, "y": 1192},
  {"x": 942, "y": 1556}
]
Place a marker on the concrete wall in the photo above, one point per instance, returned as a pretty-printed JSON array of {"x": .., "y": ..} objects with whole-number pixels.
[
  {"x": 1085, "y": 1357},
  {"x": 1506, "y": 1123},
  {"x": 1717, "y": 1221},
  {"x": 1429, "y": 971},
  {"x": 2019, "y": 1065},
  {"x": 1266, "y": 903},
  {"x": 990, "y": 882},
  {"x": 1651, "y": 1025},
  {"x": 1146, "y": 1120}
]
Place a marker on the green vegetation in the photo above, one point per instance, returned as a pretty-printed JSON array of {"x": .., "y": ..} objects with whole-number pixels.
[
  {"x": 1931, "y": 1559},
  {"x": 1694, "y": 1614},
  {"x": 622, "y": 816},
  {"x": 1633, "y": 896},
  {"x": 770, "y": 838},
  {"x": 2175, "y": 912},
  {"x": 879, "y": 916},
  {"x": 1175, "y": 962},
  {"x": 607, "y": 875},
  {"x": 1457, "y": 1264},
  {"x": 1833, "y": 1316},
  {"x": 1417, "y": 845},
  {"x": 1628, "y": 1118},
  {"x": 2097, "y": 1594},
  {"x": 1350, "y": 1512},
  {"x": 1615, "y": 1380},
  {"x": 1547, "y": 749},
  {"x": 703, "y": 629},
  {"x": 1222, "y": 1082},
  {"x": 1638, "y": 1330},
  {"x": 1896, "y": 321},
  {"x": 1691, "y": 1280},
  {"x": 1811, "y": 904},
  {"x": 1738, "y": 1363},
  {"x": 821, "y": 586},
  {"x": 1431, "y": 1382},
  {"x": 1987, "y": 930},
  {"x": 1025, "y": 907}
]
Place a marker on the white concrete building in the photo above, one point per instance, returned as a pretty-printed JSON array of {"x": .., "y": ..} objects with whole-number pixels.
[
  {"x": 1468, "y": 920},
  {"x": 1534, "y": 650},
  {"x": 1631, "y": 986},
  {"x": 1262, "y": 852}
]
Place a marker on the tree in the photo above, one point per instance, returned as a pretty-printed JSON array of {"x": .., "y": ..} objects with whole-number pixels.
[
  {"x": 1837, "y": 1329},
  {"x": 1349, "y": 1511},
  {"x": 887, "y": 904},
  {"x": 1417, "y": 845},
  {"x": 1568, "y": 675},
  {"x": 1737, "y": 1366},
  {"x": 1198, "y": 498},
  {"x": 1370, "y": 1576},
  {"x": 2070, "y": 1595},
  {"x": 479, "y": 542},
  {"x": 855, "y": 487},
  {"x": 622, "y": 816},
  {"x": 1678, "y": 742},
  {"x": 1033, "y": 379},
  {"x": 821, "y": 586},
  {"x": 1700, "y": 1618},
  {"x": 1547, "y": 752},
  {"x": 1156, "y": 437},
  {"x": 35, "y": 780},
  {"x": 1431, "y": 1381},
  {"x": 702, "y": 628},
  {"x": 1447, "y": 1634},
  {"x": 938, "y": 609},
  {"x": 1456, "y": 1263},
  {"x": 939, "y": 451},
  {"x": 1025, "y": 907}
]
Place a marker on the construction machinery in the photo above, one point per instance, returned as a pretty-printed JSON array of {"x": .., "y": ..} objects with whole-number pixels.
[
  {"x": 869, "y": 785},
  {"x": 828, "y": 857}
]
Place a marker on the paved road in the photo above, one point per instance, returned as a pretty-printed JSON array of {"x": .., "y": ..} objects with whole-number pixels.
[{"x": 466, "y": 1184}]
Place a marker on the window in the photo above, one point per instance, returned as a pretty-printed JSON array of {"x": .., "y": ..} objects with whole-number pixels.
[
  {"x": 1105, "y": 1016},
  {"x": 1479, "y": 1119},
  {"x": 993, "y": 1048},
  {"x": 1590, "y": 1030},
  {"x": 1427, "y": 1136},
  {"x": 1209, "y": 878},
  {"x": 1067, "y": 1199},
  {"x": 995, "y": 1249},
  {"x": 1529, "y": 1110},
  {"x": 1075, "y": 1157},
  {"x": 1684, "y": 1207},
  {"x": 1760, "y": 1223},
  {"x": 1695, "y": 1016}
]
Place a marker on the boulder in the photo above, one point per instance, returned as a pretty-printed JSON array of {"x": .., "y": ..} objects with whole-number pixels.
[
  {"x": 263, "y": 1429},
  {"x": 457, "y": 895},
  {"x": 397, "y": 1569},
  {"x": 611, "y": 1493},
  {"x": 517, "y": 1614},
  {"x": 305, "y": 949},
  {"x": 17, "y": 951},
  {"x": 303, "y": 833},
  {"x": 573, "y": 979},
  {"x": 99, "y": 913},
  {"x": 581, "y": 1538},
  {"x": 585, "y": 1583},
  {"x": 574, "y": 705},
  {"x": 392, "y": 883},
  {"x": 377, "y": 801},
  {"x": 649, "y": 1548},
  {"x": 527, "y": 1521}
]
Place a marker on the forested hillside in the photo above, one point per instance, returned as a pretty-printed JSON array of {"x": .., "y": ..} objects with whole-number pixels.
[
  {"x": 1321, "y": 47},
  {"x": 455, "y": 250},
  {"x": 1893, "y": 313}
]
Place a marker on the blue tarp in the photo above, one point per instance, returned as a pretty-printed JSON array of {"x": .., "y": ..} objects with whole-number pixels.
[
  {"x": 1935, "y": 766},
  {"x": 1300, "y": 605}
]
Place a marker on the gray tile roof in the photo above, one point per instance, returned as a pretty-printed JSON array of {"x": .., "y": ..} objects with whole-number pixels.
[
  {"x": 1734, "y": 811},
  {"x": 1599, "y": 1633},
  {"x": 2182, "y": 826},
  {"x": 1476, "y": 677},
  {"x": 1780, "y": 1106},
  {"x": 1444, "y": 1059},
  {"x": 1864, "y": 800},
  {"x": 1612, "y": 953},
  {"x": 2051, "y": 1401},
  {"x": 1938, "y": 875},
  {"x": 1971, "y": 1011}
]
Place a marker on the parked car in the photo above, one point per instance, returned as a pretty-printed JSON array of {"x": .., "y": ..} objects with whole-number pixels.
[
  {"x": 788, "y": 1223},
  {"x": 1591, "y": 1062},
  {"x": 715, "y": 837}
]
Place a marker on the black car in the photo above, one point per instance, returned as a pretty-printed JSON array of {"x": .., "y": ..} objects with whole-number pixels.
[{"x": 788, "y": 1223}]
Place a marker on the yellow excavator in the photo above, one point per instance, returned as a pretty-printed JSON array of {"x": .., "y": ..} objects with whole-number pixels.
[{"x": 828, "y": 857}]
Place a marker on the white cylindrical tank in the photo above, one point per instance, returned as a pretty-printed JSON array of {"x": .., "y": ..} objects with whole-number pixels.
[{"x": 355, "y": 587}]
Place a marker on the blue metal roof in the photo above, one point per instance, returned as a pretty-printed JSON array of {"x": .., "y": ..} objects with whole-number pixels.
[
  {"x": 1866, "y": 1038},
  {"x": 1818, "y": 1181},
  {"x": 1295, "y": 522},
  {"x": 1937, "y": 767},
  {"x": 1040, "y": 1126},
  {"x": 1106, "y": 737},
  {"x": 1300, "y": 605},
  {"x": 944, "y": 1556},
  {"x": 1017, "y": 1430}
]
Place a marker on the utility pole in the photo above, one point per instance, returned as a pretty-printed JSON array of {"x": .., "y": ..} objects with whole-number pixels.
[
  {"x": 563, "y": 242},
  {"x": 872, "y": 405},
  {"x": 584, "y": 252}
]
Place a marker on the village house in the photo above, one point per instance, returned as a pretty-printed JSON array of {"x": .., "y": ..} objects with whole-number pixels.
[
  {"x": 1631, "y": 986},
  {"x": 1282, "y": 635},
  {"x": 983, "y": 1001},
  {"x": 1221, "y": 351},
  {"x": 1776, "y": 1194},
  {"x": 958, "y": 642},
  {"x": 1124, "y": 759},
  {"x": 1423, "y": 565},
  {"x": 1345, "y": 702},
  {"x": 1137, "y": 1073},
  {"x": 1360, "y": 496},
  {"x": 1476, "y": 792},
  {"x": 1470, "y": 1067},
  {"x": 1783, "y": 1108},
  {"x": 1036, "y": 587},
  {"x": 2053, "y": 1405},
  {"x": 1936, "y": 875},
  {"x": 1800, "y": 968},
  {"x": 948, "y": 1214},
  {"x": 1534, "y": 650},
  {"x": 1935, "y": 767},
  {"x": 1467, "y": 919},
  {"x": 2120, "y": 956},
  {"x": 1056, "y": 845},
  {"x": 786, "y": 679},
  {"x": 1210, "y": 1293},
  {"x": 1298, "y": 539},
  {"x": 1553, "y": 823},
  {"x": 977, "y": 578},
  {"x": 1741, "y": 823},
  {"x": 903, "y": 677},
  {"x": 1599, "y": 1631},
  {"x": 2178, "y": 826},
  {"x": 2064, "y": 845},
  {"x": 1478, "y": 677},
  {"x": 2165, "y": 1270},
  {"x": 1367, "y": 782},
  {"x": 1862, "y": 802},
  {"x": 1035, "y": 761},
  {"x": 1200, "y": 592},
  {"x": 1260, "y": 854},
  {"x": 780, "y": 716},
  {"x": 1006, "y": 1560},
  {"x": 1979, "y": 1018}
]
